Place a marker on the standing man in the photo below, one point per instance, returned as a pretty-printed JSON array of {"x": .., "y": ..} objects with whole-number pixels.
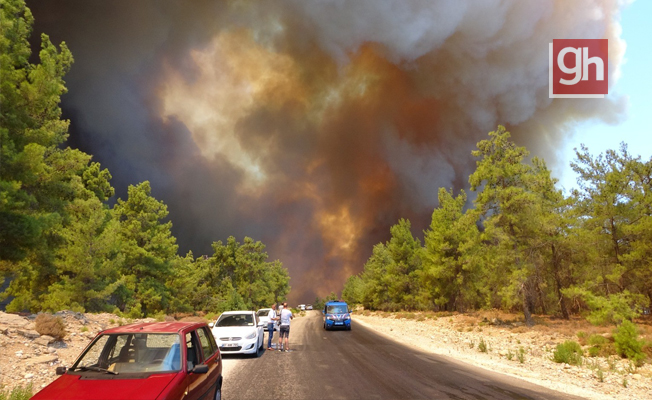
[
  {"x": 286, "y": 316},
  {"x": 271, "y": 324}
]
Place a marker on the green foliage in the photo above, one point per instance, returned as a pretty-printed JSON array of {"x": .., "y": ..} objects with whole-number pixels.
[
  {"x": 521, "y": 355},
  {"x": 331, "y": 297},
  {"x": 353, "y": 291},
  {"x": 612, "y": 309},
  {"x": 318, "y": 304},
  {"x": 17, "y": 393},
  {"x": 510, "y": 355},
  {"x": 598, "y": 340},
  {"x": 600, "y": 346},
  {"x": 391, "y": 277},
  {"x": 627, "y": 343},
  {"x": 452, "y": 271},
  {"x": 600, "y": 375},
  {"x": 236, "y": 276},
  {"x": 482, "y": 346},
  {"x": 569, "y": 352}
]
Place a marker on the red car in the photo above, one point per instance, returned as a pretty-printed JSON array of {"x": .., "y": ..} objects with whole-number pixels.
[{"x": 153, "y": 361}]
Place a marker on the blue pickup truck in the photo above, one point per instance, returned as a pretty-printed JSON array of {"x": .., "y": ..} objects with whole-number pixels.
[{"x": 337, "y": 315}]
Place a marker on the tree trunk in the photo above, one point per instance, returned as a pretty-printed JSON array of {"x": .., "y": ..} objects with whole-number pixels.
[
  {"x": 562, "y": 299},
  {"x": 527, "y": 312}
]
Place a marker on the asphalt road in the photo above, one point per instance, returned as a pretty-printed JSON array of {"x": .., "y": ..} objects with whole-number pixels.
[{"x": 360, "y": 364}]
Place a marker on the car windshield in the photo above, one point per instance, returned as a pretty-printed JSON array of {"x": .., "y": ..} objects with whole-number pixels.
[
  {"x": 336, "y": 309},
  {"x": 235, "y": 320},
  {"x": 132, "y": 353}
]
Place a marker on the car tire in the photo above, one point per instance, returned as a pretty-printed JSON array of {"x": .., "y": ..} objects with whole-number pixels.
[
  {"x": 259, "y": 349},
  {"x": 218, "y": 392}
]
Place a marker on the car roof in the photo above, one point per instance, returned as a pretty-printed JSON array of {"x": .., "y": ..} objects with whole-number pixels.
[
  {"x": 156, "y": 327},
  {"x": 237, "y": 312},
  {"x": 336, "y": 302}
]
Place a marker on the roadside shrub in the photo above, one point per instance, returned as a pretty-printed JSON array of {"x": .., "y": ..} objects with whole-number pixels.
[
  {"x": 600, "y": 375},
  {"x": 594, "y": 351},
  {"x": 627, "y": 343},
  {"x": 482, "y": 346},
  {"x": 601, "y": 346},
  {"x": 48, "y": 324},
  {"x": 17, "y": 393},
  {"x": 582, "y": 337},
  {"x": 521, "y": 355},
  {"x": 569, "y": 352},
  {"x": 598, "y": 340},
  {"x": 510, "y": 355}
]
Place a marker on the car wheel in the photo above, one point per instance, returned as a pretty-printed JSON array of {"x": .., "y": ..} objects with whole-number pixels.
[{"x": 218, "y": 392}]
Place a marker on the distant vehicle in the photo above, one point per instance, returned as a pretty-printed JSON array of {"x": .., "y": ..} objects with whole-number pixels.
[
  {"x": 302, "y": 307},
  {"x": 238, "y": 332},
  {"x": 263, "y": 318},
  {"x": 160, "y": 360},
  {"x": 337, "y": 315},
  {"x": 309, "y": 307}
]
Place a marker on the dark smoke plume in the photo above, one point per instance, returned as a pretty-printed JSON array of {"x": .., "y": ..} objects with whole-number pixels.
[{"x": 314, "y": 125}]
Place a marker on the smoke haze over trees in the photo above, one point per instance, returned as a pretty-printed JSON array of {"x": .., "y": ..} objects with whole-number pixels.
[
  {"x": 61, "y": 244},
  {"x": 313, "y": 126}
]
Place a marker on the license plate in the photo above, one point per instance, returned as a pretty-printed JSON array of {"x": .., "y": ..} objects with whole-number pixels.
[
  {"x": 230, "y": 345},
  {"x": 339, "y": 323}
]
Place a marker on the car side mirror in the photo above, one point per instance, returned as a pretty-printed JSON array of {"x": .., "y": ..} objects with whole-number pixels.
[
  {"x": 61, "y": 370},
  {"x": 350, "y": 311},
  {"x": 200, "y": 369},
  {"x": 211, "y": 324}
]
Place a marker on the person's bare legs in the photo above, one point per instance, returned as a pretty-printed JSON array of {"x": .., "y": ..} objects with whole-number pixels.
[{"x": 287, "y": 346}]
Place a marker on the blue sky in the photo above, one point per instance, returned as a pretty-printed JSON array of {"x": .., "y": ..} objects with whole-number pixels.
[{"x": 635, "y": 83}]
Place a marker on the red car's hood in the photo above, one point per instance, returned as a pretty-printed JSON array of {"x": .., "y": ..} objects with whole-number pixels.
[{"x": 70, "y": 387}]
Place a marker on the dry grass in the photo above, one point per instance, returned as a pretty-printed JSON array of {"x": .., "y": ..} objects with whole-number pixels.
[{"x": 48, "y": 324}]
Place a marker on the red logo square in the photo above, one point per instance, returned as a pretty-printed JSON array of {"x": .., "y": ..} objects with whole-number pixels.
[{"x": 579, "y": 67}]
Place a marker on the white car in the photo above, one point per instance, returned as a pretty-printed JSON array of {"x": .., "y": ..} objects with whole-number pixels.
[
  {"x": 238, "y": 332},
  {"x": 263, "y": 318}
]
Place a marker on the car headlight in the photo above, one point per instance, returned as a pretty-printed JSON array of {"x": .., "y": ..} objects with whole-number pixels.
[
  {"x": 251, "y": 335},
  {"x": 347, "y": 317},
  {"x": 331, "y": 318}
]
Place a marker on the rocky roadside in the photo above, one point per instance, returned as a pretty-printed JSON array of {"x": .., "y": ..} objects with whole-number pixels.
[
  {"x": 26, "y": 357},
  {"x": 29, "y": 358},
  {"x": 453, "y": 337}
]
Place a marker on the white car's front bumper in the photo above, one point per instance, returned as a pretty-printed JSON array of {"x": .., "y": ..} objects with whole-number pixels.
[{"x": 243, "y": 346}]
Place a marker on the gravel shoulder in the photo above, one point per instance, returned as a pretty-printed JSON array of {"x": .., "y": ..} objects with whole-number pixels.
[{"x": 458, "y": 337}]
